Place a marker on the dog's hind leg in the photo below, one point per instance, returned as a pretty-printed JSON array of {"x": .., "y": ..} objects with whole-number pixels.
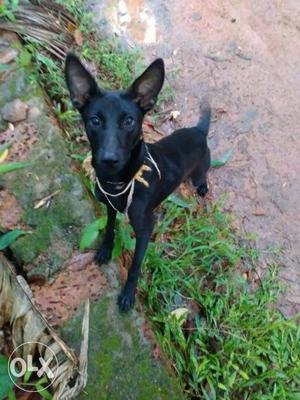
[
  {"x": 201, "y": 185},
  {"x": 103, "y": 254},
  {"x": 199, "y": 175}
]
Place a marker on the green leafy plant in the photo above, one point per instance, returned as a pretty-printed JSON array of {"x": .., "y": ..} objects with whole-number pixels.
[
  {"x": 231, "y": 343},
  {"x": 179, "y": 201},
  {"x": 223, "y": 160},
  {"x": 8, "y": 238},
  {"x": 7, "y": 67},
  {"x": 123, "y": 235},
  {"x": 7, "y": 8},
  {"x": 91, "y": 232},
  {"x": 9, "y": 167},
  {"x": 6, "y": 384},
  {"x": 38, "y": 385}
]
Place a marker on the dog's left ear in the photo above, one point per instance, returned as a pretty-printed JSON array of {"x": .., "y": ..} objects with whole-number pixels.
[
  {"x": 81, "y": 84},
  {"x": 146, "y": 87}
]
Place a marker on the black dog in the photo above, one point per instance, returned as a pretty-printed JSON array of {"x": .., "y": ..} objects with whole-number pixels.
[{"x": 133, "y": 176}]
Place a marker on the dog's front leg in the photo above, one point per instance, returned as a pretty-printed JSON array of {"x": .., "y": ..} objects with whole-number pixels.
[
  {"x": 143, "y": 234},
  {"x": 103, "y": 254}
]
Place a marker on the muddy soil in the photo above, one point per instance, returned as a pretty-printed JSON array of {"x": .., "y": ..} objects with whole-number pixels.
[{"x": 245, "y": 56}]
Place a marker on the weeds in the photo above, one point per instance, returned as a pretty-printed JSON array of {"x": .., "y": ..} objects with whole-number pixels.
[
  {"x": 6, "y": 239},
  {"x": 230, "y": 343}
]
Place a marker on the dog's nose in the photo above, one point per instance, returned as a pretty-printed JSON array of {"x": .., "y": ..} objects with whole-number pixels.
[{"x": 110, "y": 160}]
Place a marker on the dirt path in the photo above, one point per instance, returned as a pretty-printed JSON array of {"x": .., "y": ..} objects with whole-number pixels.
[{"x": 246, "y": 57}]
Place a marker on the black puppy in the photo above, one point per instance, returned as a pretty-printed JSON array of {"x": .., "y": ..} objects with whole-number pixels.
[{"x": 132, "y": 176}]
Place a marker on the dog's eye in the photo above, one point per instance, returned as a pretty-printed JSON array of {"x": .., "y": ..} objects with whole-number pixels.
[
  {"x": 95, "y": 121},
  {"x": 128, "y": 122}
]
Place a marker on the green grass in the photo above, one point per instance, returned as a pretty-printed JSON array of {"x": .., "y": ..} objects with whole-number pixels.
[
  {"x": 230, "y": 342},
  {"x": 116, "y": 67}
]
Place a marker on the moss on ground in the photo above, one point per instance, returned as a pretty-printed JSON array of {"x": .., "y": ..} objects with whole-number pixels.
[
  {"x": 56, "y": 227},
  {"x": 119, "y": 362}
]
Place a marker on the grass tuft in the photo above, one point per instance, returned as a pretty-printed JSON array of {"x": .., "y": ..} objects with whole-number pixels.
[{"x": 232, "y": 343}]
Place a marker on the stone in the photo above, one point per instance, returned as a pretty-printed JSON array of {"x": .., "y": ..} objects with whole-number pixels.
[
  {"x": 120, "y": 361},
  {"x": 56, "y": 227},
  {"x": 33, "y": 113},
  {"x": 8, "y": 56},
  {"x": 14, "y": 111},
  {"x": 196, "y": 16}
]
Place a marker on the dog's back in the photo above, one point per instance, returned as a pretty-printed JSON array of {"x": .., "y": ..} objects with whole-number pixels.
[
  {"x": 182, "y": 155},
  {"x": 186, "y": 147}
]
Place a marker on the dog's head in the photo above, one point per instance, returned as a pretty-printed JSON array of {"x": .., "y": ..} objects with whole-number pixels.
[{"x": 113, "y": 120}]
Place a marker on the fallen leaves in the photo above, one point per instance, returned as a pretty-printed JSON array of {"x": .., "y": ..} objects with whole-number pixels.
[
  {"x": 180, "y": 314},
  {"x": 3, "y": 155},
  {"x": 78, "y": 37},
  {"x": 149, "y": 334},
  {"x": 45, "y": 200},
  {"x": 125, "y": 261},
  {"x": 260, "y": 212},
  {"x": 174, "y": 114},
  {"x": 10, "y": 211}
]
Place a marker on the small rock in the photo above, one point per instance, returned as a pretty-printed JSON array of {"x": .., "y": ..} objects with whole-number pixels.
[
  {"x": 33, "y": 113},
  {"x": 196, "y": 16},
  {"x": 259, "y": 212},
  {"x": 14, "y": 111},
  {"x": 8, "y": 56}
]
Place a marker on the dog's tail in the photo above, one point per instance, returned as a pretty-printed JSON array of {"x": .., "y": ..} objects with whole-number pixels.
[{"x": 204, "y": 121}]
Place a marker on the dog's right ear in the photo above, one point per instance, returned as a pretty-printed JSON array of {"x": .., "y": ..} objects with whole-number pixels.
[{"x": 81, "y": 84}]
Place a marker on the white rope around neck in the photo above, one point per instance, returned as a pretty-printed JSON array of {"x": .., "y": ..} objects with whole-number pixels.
[
  {"x": 150, "y": 158},
  {"x": 129, "y": 186}
]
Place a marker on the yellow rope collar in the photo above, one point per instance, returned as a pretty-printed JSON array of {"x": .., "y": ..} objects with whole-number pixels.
[{"x": 139, "y": 175}]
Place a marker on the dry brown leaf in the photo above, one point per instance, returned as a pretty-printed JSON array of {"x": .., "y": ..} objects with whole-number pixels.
[
  {"x": 246, "y": 275},
  {"x": 44, "y": 201},
  {"x": 156, "y": 351},
  {"x": 27, "y": 324},
  {"x": 180, "y": 313},
  {"x": 221, "y": 111},
  {"x": 78, "y": 37},
  {"x": 123, "y": 274},
  {"x": 3, "y": 155},
  {"x": 71, "y": 27},
  {"x": 10, "y": 211},
  {"x": 174, "y": 114},
  {"x": 259, "y": 212}
]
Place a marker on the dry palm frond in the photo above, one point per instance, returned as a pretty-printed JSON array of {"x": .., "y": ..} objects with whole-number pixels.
[
  {"x": 47, "y": 23},
  {"x": 28, "y": 325}
]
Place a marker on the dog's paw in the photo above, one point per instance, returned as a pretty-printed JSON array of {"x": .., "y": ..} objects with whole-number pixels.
[
  {"x": 126, "y": 300},
  {"x": 202, "y": 189},
  {"x": 103, "y": 255}
]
